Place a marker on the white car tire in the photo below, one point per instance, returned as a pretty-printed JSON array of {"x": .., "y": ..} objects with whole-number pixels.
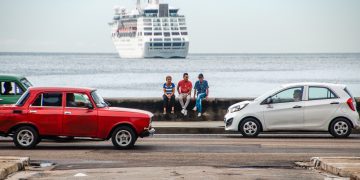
[
  {"x": 250, "y": 127},
  {"x": 340, "y": 128}
]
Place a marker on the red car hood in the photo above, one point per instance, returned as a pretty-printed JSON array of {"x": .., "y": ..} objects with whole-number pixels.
[{"x": 118, "y": 109}]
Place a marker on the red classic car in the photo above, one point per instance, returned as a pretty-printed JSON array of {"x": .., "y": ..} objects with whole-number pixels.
[{"x": 72, "y": 112}]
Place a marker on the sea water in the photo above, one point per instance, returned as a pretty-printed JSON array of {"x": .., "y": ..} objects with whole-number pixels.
[{"x": 229, "y": 75}]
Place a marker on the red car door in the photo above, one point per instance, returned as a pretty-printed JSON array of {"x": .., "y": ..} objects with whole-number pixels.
[
  {"x": 46, "y": 112},
  {"x": 80, "y": 118}
]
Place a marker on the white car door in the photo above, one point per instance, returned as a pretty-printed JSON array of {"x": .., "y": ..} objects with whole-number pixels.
[
  {"x": 285, "y": 110},
  {"x": 322, "y": 103}
]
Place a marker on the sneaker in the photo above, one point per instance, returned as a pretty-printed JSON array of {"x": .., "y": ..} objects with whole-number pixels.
[
  {"x": 164, "y": 113},
  {"x": 185, "y": 112},
  {"x": 195, "y": 108},
  {"x": 199, "y": 114}
]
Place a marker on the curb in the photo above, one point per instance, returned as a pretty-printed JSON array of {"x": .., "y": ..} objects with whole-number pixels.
[
  {"x": 341, "y": 166},
  {"x": 9, "y": 165},
  {"x": 219, "y": 130},
  {"x": 189, "y": 130}
]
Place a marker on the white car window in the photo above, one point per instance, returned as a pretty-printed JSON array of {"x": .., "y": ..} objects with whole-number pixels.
[
  {"x": 318, "y": 93},
  {"x": 289, "y": 95}
]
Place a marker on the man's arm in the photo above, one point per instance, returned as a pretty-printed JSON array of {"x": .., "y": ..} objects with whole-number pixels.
[
  {"x": 190, "y": 89},
  {"x": 207, "y": 89},
  {"x": 178, "y": 88},
  {"x": 164, "y": 91},
  {"x": 173, "y": 91}
]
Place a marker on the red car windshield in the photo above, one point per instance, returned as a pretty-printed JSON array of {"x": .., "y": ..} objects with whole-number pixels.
[
  {"x": 99, "y": 101},
  {"x": 23, "y": 99}
]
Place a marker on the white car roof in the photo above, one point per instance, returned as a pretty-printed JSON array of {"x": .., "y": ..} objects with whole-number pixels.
[{"x": 314, "y": 84}]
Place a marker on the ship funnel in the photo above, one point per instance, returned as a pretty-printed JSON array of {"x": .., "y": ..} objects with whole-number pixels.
[{"x": 138, "y": 5}]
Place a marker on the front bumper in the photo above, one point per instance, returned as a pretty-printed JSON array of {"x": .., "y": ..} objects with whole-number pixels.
[
  {"x": 147, "y": 132},
  {"x": 230, "y": 121}
]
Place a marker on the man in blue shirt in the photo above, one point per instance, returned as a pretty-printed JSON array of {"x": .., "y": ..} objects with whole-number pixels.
[{"x": 201, "y": 92}]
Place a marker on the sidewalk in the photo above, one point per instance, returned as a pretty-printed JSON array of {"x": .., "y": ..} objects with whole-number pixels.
[
  {"x": 9, "y": 165},
  {"x": 342, "y": 166}
]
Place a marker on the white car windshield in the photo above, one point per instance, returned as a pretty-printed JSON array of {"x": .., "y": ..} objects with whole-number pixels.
[
  {"x": 267, "y": 94},
  {"x": 99, "y": 101}
]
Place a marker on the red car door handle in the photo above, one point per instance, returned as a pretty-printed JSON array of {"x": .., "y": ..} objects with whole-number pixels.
[
  {"x": 335, "y": 103},
  {"x": 33, "y": 111},
  {"x": 67, "y": 113}
]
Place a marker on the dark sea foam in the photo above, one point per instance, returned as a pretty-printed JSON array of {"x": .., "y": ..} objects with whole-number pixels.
[{"x": 229, "y": 75}]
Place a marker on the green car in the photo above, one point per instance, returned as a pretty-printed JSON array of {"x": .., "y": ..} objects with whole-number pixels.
[{"x": 12, "y": 87}]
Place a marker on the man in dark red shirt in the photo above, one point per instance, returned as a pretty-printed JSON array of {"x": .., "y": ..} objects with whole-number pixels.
[{"x": 184, "y": 89}]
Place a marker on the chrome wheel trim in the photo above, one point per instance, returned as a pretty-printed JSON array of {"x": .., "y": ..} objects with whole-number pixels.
[
  {"x": 25, "y": 137},
  {"x": 341, "y": 128},
  {"x": 250, "y": 128},
  {"x": 123, "y": 138}
]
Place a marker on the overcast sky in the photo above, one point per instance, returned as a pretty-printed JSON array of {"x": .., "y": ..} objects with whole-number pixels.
[{"x": 216, "y": 26}]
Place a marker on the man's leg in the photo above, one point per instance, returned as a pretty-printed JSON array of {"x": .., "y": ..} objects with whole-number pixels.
[
  {"x": 172, "y": 104},
  {"x": 165, "y": 102},
  {"x": 200, "y": 98},
  {"x": 181, "y": 100},
  {"x": 188, "y": 99}
]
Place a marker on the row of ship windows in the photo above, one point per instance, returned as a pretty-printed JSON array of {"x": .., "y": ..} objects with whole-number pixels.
[
  {"x": 166, "y": 44},
  {"x": 165, "y": 28},
  {"x": 167, "y": 39},
  {"x": 150, "y": 48},
  {"x": 123, "y": 34},
  {"x": 164, "y": 24},
  {"x": 133, "y": 34},
  {"x": 166, "y": 34},
  {"x": 165, "y": 20}
]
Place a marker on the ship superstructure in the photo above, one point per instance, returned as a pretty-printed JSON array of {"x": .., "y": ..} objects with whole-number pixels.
[{"x": 153, "y": 31}]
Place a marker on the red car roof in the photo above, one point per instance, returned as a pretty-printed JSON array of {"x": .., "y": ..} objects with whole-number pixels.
[{"x": 62, "y": 89}]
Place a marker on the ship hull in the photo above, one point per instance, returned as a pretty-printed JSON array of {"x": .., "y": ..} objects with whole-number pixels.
[{"x": 135, "y": 48}]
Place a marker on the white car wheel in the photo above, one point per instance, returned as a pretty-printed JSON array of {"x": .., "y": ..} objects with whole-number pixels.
[
  {"x": 340, "y": 128},
  {"x": 249, "y": 127}
]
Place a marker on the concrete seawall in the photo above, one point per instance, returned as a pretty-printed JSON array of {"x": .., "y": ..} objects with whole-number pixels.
[{"x": 214, "y": 108}]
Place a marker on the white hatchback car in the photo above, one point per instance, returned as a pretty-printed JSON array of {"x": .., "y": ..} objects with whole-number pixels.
[{"x": 297, "y": 107}]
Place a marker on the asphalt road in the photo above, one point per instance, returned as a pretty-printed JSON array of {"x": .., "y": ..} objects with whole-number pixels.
[{"x": 266, "y": 154}]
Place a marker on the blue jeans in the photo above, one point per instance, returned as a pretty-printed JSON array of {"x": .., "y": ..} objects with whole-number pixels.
[{"x": 199, "y": 98}]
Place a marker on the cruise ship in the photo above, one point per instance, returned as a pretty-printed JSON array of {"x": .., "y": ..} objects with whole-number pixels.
[{"x": 152, "y": 30}]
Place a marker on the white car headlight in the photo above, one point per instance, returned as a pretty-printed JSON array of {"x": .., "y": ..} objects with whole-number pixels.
[{"x": 238, "y": 108}]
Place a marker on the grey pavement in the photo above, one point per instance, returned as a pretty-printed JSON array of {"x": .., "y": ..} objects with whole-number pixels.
[{"x": 217, "y": 153}]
